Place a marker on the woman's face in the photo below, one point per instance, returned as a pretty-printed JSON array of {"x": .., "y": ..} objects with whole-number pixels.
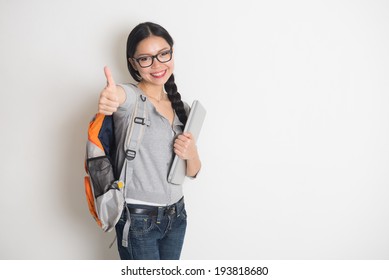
[{"x": 158, "y": 73}]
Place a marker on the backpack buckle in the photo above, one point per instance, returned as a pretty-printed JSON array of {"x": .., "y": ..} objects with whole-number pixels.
[
  {"x": 139, "y": 120},
  {"x": 142, "y": 97},
  {"x": 130, "y": 154},
  {"x": 142, "y": 121}
]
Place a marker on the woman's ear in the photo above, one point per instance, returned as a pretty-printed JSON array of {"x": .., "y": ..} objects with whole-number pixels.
[{"x": 133, "y": 64}]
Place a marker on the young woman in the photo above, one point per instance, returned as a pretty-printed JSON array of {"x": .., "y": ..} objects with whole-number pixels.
[{"x": 156, "y": 207}]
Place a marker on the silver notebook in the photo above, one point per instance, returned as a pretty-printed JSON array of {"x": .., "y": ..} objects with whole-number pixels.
[{"x": 193, "y": 125}]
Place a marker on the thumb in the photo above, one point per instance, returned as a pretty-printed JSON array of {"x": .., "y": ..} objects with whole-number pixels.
[{"x": 110, "y": 82}]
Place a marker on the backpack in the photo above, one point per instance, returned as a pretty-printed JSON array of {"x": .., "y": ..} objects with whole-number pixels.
[{"x": 105, "y": 190}]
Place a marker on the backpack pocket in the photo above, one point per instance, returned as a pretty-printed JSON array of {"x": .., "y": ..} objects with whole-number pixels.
[
  {"x": 105, "y": 198},
  {"x": 91, "y": 200}
]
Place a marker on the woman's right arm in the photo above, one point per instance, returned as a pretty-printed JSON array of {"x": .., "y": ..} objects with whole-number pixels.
[{"x": 112, "y": 95}]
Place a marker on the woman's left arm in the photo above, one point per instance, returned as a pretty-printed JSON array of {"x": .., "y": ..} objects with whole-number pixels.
[{"x": 185, "y": 148}]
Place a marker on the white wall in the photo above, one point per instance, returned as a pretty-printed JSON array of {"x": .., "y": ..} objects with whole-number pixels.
[{"x": 295, "y": 145}]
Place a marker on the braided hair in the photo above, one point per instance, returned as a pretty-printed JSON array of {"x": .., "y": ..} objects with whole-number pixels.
[{"x": 139, "y": 33}]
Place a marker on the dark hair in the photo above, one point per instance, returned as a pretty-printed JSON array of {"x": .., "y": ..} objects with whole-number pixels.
[{"x": 141, "y": 32}]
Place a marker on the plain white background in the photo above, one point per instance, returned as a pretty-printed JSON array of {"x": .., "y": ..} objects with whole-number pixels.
[{"x": 294, "y": 147}]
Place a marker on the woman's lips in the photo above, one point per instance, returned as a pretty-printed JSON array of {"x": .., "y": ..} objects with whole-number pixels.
[{"x": 159, "y": 74}]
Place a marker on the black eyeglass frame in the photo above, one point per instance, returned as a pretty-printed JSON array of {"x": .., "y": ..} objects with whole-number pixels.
[{"x": 154, "y": 57}]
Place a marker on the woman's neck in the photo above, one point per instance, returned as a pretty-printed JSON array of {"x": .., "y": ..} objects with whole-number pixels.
[{"x": 155, "y": 92}]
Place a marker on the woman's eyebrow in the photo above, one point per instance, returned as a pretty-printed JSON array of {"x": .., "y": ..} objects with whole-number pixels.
[{"x": 149, "y": 54}]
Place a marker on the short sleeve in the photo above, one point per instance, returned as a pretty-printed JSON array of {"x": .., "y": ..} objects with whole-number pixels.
[{"x": 126, "y": 107}]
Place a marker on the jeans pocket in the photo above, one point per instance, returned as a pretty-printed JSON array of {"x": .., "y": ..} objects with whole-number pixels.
[
  {"x": 183, "y": 215},
  {"x": 141, "y": 224}
]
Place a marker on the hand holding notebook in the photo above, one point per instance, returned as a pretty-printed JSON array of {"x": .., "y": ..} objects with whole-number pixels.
[{"x": 193, "y": 125}]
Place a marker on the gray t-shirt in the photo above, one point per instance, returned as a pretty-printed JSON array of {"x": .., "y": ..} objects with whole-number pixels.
[{"x": 154, "y": 157}]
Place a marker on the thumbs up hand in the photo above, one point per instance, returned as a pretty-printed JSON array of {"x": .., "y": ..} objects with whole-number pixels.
[{"x": 112, "y": 96}]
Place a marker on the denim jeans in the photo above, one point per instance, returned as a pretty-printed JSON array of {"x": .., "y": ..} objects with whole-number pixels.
[{"x": 157, "y": 237}]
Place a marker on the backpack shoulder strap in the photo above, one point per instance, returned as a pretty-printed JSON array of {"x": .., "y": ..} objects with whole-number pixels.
[
  {"x": 139, "y": 119},
  {"x": 134, "y": 135}
]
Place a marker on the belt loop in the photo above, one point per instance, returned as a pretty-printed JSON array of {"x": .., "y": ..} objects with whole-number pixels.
[
  {"x": 160, "y": 214},
  {"x": 180, "y": 206}
]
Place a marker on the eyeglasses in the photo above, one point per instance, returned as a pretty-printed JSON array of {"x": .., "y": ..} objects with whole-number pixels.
[{"x": 147, "y": 61}]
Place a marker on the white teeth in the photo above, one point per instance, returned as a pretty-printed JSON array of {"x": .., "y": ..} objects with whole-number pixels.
[{"x": 159, "y": 74}]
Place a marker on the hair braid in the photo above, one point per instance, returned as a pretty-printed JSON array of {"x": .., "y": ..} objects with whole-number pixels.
[{"x": 175, "y": 98}]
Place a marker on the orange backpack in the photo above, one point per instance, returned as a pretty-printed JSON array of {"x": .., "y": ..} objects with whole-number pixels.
[{"x": 105, "y": 190}]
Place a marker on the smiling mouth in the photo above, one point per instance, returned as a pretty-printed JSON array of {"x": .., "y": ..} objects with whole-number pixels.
[{"x": 159, "y": 74}]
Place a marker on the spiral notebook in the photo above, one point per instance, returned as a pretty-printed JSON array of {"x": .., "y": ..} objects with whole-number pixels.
[{"x": 193, "y": 125}]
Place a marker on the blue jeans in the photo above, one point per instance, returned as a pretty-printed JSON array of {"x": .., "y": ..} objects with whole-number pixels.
[{"x": 153, "y": 237}]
